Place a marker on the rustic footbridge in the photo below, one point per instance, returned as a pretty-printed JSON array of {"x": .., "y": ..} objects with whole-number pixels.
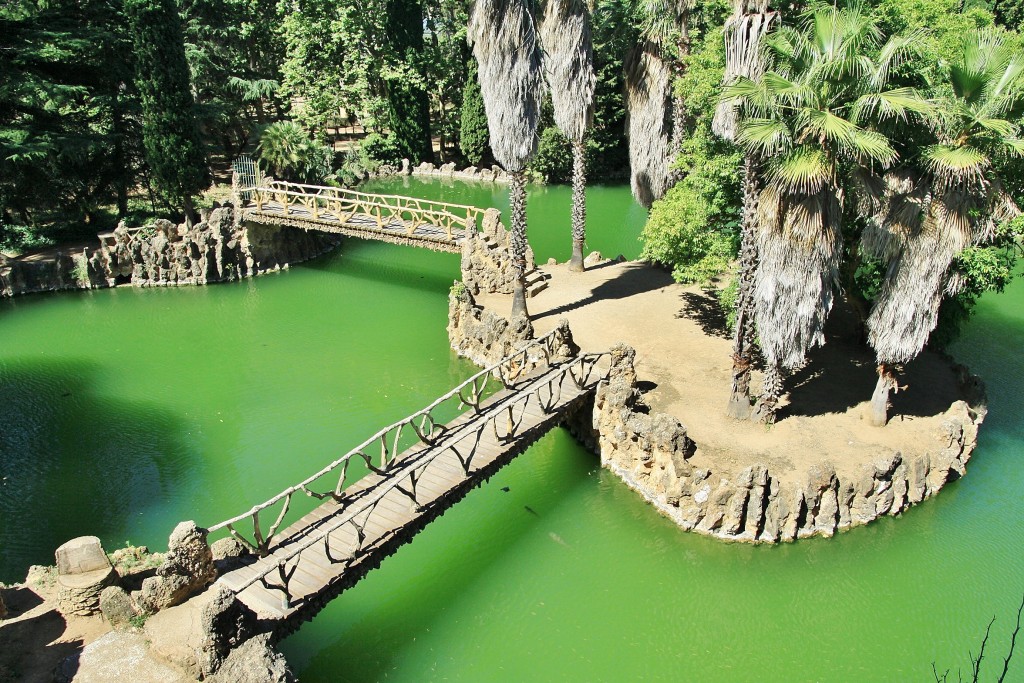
[
  {"x": 440, "y": 226},
  {"x": 380, "y": 494}
]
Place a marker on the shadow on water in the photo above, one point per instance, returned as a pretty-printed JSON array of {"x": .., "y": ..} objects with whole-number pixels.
[
  {"x": 419, "y": 270},
  {"x": 395, "y": 610},
  {"x": 75, "y": 462}
]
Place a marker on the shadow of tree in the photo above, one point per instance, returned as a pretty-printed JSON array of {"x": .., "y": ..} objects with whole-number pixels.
[
  {"x": 29, "y": 653},
  {"x": 841, "y": 374},
  {"x": 74, "y": 461},
  {"x": 705, "y": 310},
  {"x": 636, "y": 278}
]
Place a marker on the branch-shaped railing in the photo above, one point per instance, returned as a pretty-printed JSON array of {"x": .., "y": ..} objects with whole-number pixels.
[
  {"x": 341, "y": 205},
  {"x": 505, "y": 419},
  {"x": 380, "y": 450}
]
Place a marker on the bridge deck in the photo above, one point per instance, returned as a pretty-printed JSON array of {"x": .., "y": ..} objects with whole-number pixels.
[
  {"x": 385, "y": 514},
  {"x": 360, "y": 225}
]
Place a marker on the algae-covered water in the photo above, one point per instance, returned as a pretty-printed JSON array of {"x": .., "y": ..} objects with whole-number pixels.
[{"x": 124, "y": 411}]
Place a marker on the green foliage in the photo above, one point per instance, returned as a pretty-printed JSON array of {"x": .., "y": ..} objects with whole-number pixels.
[
  {"x": 409, "y": 110},
  {"x": 727, "y": 300},
  {"x": 170, "y": 134},
  {"x": 474, "y": 137},
  {"x": 80, "y": 271},
  {"x": 981, "y": 269},
  {"x": 289, "y": 154},
  {"x": 376, "y": 149},
  {"x": 553, "y": 160}
]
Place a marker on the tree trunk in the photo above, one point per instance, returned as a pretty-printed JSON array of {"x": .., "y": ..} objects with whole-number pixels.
[
  {"x": 679, "y": 70},
  {"x": 187, "y": 203},
  {"x": 517, "y": 209},
  {"x": 743, "y": 334},
  {"x": 880, "y": 398},
  {"x": 579, "y": 205},
  {"x": 768, "y": 404}
]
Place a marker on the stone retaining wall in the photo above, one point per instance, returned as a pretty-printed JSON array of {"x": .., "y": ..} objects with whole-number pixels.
[
  {"x": 163, "y": 254},
  {"x": 652, "y": 453}
]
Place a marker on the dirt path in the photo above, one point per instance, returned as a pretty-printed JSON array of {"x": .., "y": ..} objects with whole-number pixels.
[{"x": 684, "y": 359}]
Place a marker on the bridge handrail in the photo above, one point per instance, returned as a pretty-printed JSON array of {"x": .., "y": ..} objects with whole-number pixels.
[
  {"x": 391, "y": 202},
  {"x": 518, "y": 362},
  {"x": 345, "y": 190},
  {"x": 379, "y": 493},
  {"x": 376, "y": 204}
]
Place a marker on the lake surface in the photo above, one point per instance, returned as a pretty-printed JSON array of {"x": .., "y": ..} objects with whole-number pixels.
[{"x": 125, "y": 411}]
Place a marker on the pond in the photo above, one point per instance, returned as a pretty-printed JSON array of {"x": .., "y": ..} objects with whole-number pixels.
[{"x": 125, "y": 411}]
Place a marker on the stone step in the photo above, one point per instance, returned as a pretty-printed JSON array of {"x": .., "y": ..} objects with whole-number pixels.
[{"x": 537, "y": 289}]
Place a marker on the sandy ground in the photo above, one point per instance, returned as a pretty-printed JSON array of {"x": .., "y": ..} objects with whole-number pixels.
[
  {"x": 35, "y": 638},
  {"x": 684, "y": 362}
]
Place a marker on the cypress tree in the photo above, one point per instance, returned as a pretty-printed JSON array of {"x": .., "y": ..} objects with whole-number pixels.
[
  {"x": 473, "y": 134},
  {"x": 170, "y": 134},
  {"x": 410, "y": 107}
]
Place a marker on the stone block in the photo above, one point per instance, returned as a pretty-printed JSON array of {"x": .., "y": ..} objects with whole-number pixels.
[{"x": 81, "y": 555}]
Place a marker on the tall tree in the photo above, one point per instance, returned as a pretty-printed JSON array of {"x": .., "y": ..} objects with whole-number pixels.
[
  {"x": 569, "y": 69},
  {"x": 947, "y": 198},
  {"x": 744, "y": 30},
  {"x": 812, "y": 116},
  {"x": 174, "y": 150},
  {"x": 648, "y": 90},
  {"x": 409, "y": 105},
  {"x": 473, "y": 133},
  {"x": 504, "y": 41}
]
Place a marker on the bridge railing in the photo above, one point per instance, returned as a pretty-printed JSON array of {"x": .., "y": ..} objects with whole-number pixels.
[
  {"x": 543, "y": 392},
  {"x": 323, "y": 202},
  {"x": 379, "y": 452}
]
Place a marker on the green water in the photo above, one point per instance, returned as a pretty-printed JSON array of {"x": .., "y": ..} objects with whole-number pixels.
[{"x": 122, "y": 412}]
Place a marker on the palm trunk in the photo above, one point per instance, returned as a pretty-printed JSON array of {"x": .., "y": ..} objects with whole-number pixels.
[
  {"x": 579, "y": 205},
  {"x": 880, "y": 398},
  {"x": 743, "y": 335},
  {"x": 768, "y": 404},
  {"x": 678, "y": 101},
  {"x": 517, "y": 209}
]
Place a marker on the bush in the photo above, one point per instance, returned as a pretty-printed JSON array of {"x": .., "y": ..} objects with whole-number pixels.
[
  {"x": 377, "y": 149},
  {"x": 553, "y": 160},
  {"x": 688, "y": 233},
  {"x": 288, "y": 153}
]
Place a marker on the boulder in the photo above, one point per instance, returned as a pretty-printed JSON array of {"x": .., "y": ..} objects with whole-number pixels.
[
  {"x": 187, "y": 568},
  {"x": 255, "y": 661},
  {"x": 228, "y": 554},
  {"x": 117, "y": 606}
]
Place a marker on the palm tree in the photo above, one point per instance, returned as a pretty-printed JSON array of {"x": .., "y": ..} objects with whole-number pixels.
[
  {"x": 666, "y": 23},
  {"x": 569, "y": 68},
  {"x": 948, "y": 200},
  {"x": 649, "y": 126},
  {"x": 504, "y": 42},
  {"x": 812, "y": 117},
  {"x": 744, "y": 30}
]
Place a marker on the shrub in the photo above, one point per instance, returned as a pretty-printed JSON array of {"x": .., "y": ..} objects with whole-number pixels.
[
  {"x": 289, "y": 154},
  {"x": 553, "y": 160},
  {"x": 379, "y": 149}
]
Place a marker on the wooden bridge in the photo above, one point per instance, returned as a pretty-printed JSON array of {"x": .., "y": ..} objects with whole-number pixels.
[
  {"x": 440, "y": 226},
  {"x": 380, "y": 494}
]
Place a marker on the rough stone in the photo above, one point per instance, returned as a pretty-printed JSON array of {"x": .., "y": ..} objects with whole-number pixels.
[
  {"x": 117, "y": 606},
  {"x": 228, "y": 553},
  {"x": 117, "y": 656},
  {"x": 81, "y": 555},
  {"x": 79, "y": 594},
  {"x": 254, "y": 662},
  {"x": 187, "y": 568},
  {"x": 592, "y": 259}
]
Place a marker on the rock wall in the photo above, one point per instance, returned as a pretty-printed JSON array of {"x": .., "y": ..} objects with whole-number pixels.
[
  {"x": 494, "y": 174},
  {"x": 483, "y": 337},
  {"x": 486, "y": 258},
  {"x": 163, "y": 254},
  {"x": 653, "y": 455}
]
